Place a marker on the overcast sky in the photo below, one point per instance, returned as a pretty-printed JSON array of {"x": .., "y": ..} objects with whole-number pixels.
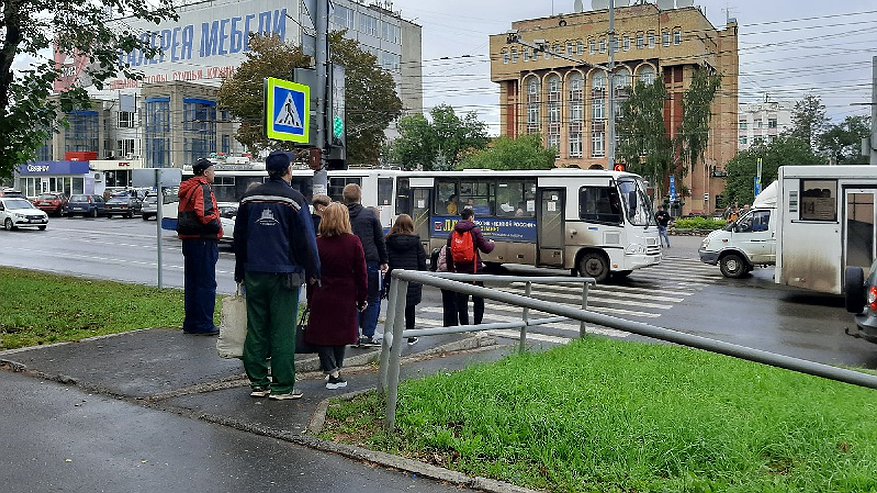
[{"x": 787, "y": 48}]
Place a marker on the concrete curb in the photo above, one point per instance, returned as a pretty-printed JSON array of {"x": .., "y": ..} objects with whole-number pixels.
[{"x": 67, "y": 343}]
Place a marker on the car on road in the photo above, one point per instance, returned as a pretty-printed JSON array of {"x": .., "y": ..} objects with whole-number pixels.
[
  {"x": 52, "y": 203},
  {"x": 10, "y": 192},
  {"x": 149, "y": 209},
  {"x": 86, "y": 205},
  {"x": 123, "y": 204},
  {"x": 17, "y": 212},
  {"x": 860, "y": 296},
  {"x": 228, "y": 211}
]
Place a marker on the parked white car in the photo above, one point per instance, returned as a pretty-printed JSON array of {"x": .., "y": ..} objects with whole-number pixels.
[{"x": 18, "y": 212}]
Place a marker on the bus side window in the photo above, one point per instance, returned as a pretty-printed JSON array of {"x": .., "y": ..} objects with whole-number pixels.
[
  {"x": 513, "y": 197},
  {"x": 403, "y": 196},
  {"x": 447, "y": 200},
  {"x": 385, "y": 191},
  {"x": 479, "y": 196}
]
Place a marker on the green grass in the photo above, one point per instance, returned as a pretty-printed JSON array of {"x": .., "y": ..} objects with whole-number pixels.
[
  {"x": 43, "y": 308},
  {"x": 700, "y": 223},
  {"x": 609, "y": 416}
]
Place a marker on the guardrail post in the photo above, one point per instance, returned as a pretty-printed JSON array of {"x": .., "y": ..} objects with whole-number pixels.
[
  {"x": 582, "y": 327},
  {"x": 526, "y": 318},
  {"x": 388, "y": 337},
  {"x": 394, "y": 365}
]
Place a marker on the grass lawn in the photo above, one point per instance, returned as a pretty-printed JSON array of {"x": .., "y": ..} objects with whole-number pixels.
[
  {"x": 41, "y": 308},
  {"x": 607, "y": 416}
]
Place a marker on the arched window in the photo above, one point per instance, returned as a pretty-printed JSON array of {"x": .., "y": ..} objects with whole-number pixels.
[
  {"x": 554, "y": 105},
  {"x": 576, "y": 114},
  {"x": 646, "y": 74},
  {"x": 505, "y": 56},
  {"x": 534, "y": 89}
]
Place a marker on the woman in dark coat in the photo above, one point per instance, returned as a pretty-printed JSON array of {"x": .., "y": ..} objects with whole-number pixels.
[
  {"x": 334, "y": 305},
  {"x": 406, "y": 252}
]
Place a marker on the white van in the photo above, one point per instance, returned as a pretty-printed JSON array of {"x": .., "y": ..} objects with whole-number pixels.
[{"x": 746, "y": 243}]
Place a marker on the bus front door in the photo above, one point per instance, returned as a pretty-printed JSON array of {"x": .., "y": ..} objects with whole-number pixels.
[
  {"x": 549, "y": 221},
  {"x": 420, "y": 214}
]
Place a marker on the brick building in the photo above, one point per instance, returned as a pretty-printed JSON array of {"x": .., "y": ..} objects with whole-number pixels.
[{"x": 566, "y": 102}]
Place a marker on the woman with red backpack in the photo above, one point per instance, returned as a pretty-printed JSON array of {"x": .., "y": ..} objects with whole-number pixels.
[{"x": 464, "y": 245}]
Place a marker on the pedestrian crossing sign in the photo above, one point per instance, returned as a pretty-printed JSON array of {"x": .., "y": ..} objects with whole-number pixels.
[{"x": 287, "y": 110}]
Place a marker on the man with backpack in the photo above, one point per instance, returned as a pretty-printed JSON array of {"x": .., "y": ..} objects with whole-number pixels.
[{"x": 463, "y": 248}]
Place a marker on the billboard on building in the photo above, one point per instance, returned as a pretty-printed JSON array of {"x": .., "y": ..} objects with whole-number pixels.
[{"x": 208, "y": 42}]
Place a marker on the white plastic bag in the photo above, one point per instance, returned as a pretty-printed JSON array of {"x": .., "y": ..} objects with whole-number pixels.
[{"x": 233, "y": 330}]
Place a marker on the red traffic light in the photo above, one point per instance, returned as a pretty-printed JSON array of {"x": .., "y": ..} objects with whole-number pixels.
[{"x": 619, "y": 167}]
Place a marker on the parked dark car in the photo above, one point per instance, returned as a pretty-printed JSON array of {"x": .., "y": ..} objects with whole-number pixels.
[
  {"x": 860, "y": 290},
  {"x": 149, "y": 208},
  {"x": 123, "y": 204},
  {"x": 52, "y": 203},
  {"x": 86, "y": 205}
]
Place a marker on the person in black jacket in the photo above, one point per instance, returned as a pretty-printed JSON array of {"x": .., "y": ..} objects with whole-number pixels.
[
  {"x": 367, "y": 227},
  {"x": 406, "y": 252},
  {"x": 275, "y": 252}
]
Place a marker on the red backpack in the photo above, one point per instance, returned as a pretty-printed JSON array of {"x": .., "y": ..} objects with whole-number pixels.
[{"x": 462, "y": 248}]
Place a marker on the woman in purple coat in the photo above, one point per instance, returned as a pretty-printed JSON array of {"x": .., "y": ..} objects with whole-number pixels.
[{"x": 334, "y": 321}]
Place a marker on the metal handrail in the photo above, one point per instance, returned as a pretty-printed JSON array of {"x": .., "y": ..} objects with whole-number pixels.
[{"x": 392, "y": 349}]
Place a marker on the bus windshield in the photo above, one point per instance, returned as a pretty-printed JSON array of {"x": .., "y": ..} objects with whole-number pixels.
[{"x": 636, "y": 202}]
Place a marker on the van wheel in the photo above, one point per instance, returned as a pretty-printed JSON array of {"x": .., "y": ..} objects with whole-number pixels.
[
  {"x": 854, "y": 289},
  {"x": 594, "y": 265},
  {"x": 732, "y": 265}
]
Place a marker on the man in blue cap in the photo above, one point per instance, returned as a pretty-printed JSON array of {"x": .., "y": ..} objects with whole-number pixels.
[
  {"x": 275, "y": 253},
  {"x": 200, "y": 229}
]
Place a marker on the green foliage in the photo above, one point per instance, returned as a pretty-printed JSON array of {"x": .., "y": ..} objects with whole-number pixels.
[
  {"x": 784, "y": 150},
  {"x": 28, "y": 113},
  {"x": 371, "y": 102},
  {"x": 843, "y": 142},
  {"x": 87, "y": 308},
  {"x": 604, "y": 415},
  {"x": 644, "y": 144},
  {"x": 526, "y": 152},
  {"x": 700, "y": 223},
  {"x": 697, "y": 112},
  {"x": 439, "y": 144},
  {"x": 808, "y": 120}
]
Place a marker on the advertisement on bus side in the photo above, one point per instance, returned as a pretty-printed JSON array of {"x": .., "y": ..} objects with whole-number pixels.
[{"x": 497, "y": 228}]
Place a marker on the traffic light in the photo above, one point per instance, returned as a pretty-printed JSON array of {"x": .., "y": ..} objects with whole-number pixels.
[
  {"x": 619, "y": 167},
  {"x": 336, "y": 159}
]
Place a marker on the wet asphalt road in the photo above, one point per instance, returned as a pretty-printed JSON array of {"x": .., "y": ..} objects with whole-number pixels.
[{"x": 752, "y": 311}]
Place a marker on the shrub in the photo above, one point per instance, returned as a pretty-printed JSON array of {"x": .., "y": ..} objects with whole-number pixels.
[{"x": 701, "y": 223}]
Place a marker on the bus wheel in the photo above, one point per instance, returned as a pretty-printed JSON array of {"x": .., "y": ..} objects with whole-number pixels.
[{"x": 594, "y": 265}]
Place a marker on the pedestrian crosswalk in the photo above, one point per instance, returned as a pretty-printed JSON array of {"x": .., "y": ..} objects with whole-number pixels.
[{"x": 644, "y": 296}]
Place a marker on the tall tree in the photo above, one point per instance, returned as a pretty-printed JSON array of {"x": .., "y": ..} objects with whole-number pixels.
[
  {"x": 784, "y": 150},
  {"x": 29, "y": 29},
  {"x": 440, "y": 144},
  {"x": 693, "y": 138},
  {"x": 371, "y": 102},
  {"x": 809, "y": 120},
  {"x": 645, "y": 147},
  {"x": 525, "y": 152},
  {"x": 843, "y": 142}
]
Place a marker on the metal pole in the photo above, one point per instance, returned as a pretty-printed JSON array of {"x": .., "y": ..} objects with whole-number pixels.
[
  {"x": 526, "y": 318},
  {"x": 874, "y": 111},
  {"x": 394, "y": 366},
  {"x": 611, "y": 124},
  {"x": 158, "y": 218},
  {"x": 386, "y": 344},
  {"x": 582, "y": 327},
  {"x": 321, "y": 178}
]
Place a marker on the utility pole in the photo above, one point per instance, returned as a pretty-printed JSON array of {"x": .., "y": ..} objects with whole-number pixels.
[
  {"x": 873, "y": 145},
  {"x": 611, "y": 131},
  {"x": 321, "y": 60}
]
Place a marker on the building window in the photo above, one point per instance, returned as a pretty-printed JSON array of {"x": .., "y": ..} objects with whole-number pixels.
[
  {"x": 533, "y": 101},
  {"x": 771, "y": 123},
  {"x": 158, "y": 127},
  {"x": 665, "y": 38},
  {"x": 592, "y": 46},
  {"x": 640, "y": 40},
  {"x": 199, "y": 128},
  {"x": 598, "y": 144},
  {"x": 525, "y": 55},
  {"x": 647, "y": 75},
  {"x": 83, "y": 133},
  {"x": 344, "y": 18},
  {"x": 743, "y": 125},
  {"x": 576, "y": 114},
  {"x": 125, "y": 147},
  {"x": 226, "y": 144},
  {"x": 580, "y": 48},
  {"x": 626, "y": 43},
  {"x": 505, "y": 57},
  {"x": 744, "y": 141},
  {"x": 677, "y": 36},
  {"x": 554, "y": 103},
  {"x": 126, "y": 119},
  {"x": 602, "y": 45},
  {"x": 368, "y": 24},
  {"x": 652, "y": 40},
  {"x": 759, "y": 123},
  {"x": 514, "y": 55},
  {"x": 570, "y": 48}
]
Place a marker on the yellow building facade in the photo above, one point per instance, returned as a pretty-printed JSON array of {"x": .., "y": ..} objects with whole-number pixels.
[{"x": 566, "y": 101}]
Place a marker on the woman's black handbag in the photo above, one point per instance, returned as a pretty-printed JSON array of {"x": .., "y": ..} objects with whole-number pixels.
[{"x": 302, "y": 347}]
